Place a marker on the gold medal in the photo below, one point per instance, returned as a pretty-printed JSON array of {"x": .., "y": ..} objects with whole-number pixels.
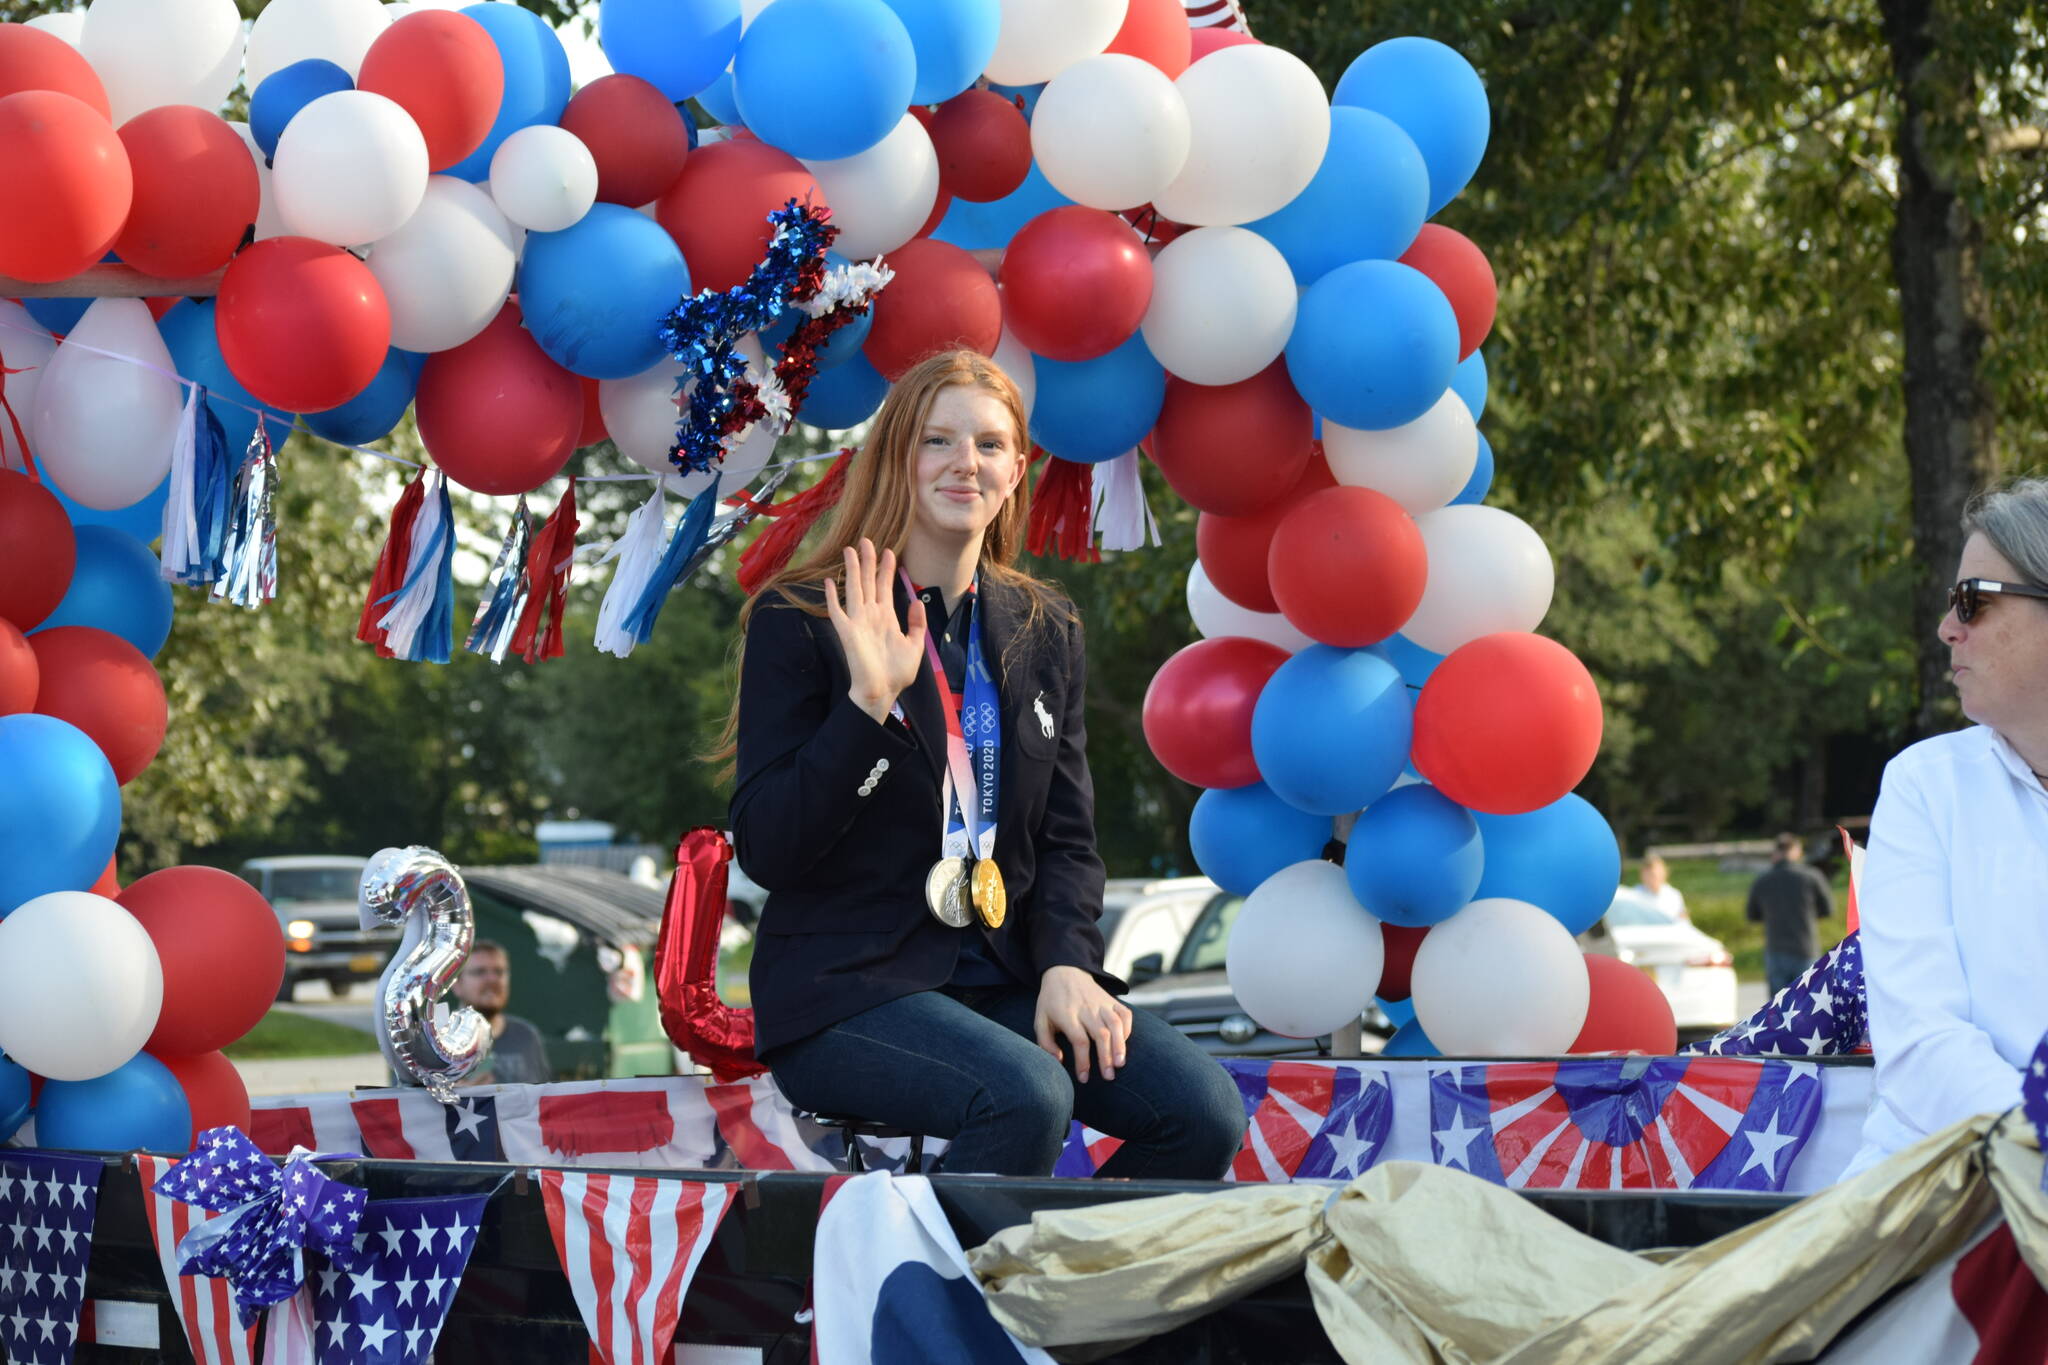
[
  {"x": 990, "y": 899},
  {"x": 946, "y": 893}
]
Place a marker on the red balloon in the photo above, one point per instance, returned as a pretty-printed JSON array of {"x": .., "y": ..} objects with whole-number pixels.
[
  {"x": 984, "y": 145},
  {"x": 443, "y": 69},
  {"x": 1198, "y": 710},
  {"x": 109, "y": 884},
  {"x": 196, "y": 192},
  {"x": 496, "y": 414},
  {"x": 1347, "y": 566},
  {"x": 1507, "y": 723},
  {"x": 1157, "y": 229},
  {"x": 1462, "y": 271},
  {"x": 940, "y": 206},
  {"x": 636, "y": 136},
  {"x": 106, "y": 687},
  {"x": 1232, "y": 449},
  {"x": 302, "y": 324},
  {"x": 31, "y": 59},
  {"x": 213, "y": 1088},
  {"x": 1627, "y": 1012},
  {"x": 1156, "y": 31},
  {"x": 593, "y": 414},
  {"x": 1400, "y": 942},
  {"x": 942, "y": 299},
  {"x": 1076, "y": 283},
  {"x": 37, "y": 550},
  {"x": 20, "y": 674},
  {"x": 1234, "y": 550},
  {"x": 222, "y": 952},
  {"x": 68, "y": 185},
  {"x": 717, "y": 209},
  {"x": 1211, "y": 38}
]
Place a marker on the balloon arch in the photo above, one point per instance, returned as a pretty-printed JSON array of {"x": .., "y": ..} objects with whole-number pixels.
[{"x": 1182, "y": 248}]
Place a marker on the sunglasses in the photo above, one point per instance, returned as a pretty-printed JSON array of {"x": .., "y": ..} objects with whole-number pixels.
[{"x": 1966, "y": 598}]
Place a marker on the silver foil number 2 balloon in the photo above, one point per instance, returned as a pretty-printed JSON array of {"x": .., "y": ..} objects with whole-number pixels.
[{"x": 426, "y": 1043}]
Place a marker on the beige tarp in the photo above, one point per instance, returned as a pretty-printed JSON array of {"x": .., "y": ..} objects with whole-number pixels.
[{"x": 1418, "y": 1263}]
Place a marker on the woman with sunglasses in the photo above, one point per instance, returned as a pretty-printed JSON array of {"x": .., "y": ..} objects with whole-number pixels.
[
  {"x": 912, "y": 788},
  {"x": 1954, "y": 892}
]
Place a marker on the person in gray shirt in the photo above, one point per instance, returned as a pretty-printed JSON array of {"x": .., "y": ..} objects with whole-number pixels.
[
  {"x": 519, "y": 1056},
  {"x": 1787, "y": 898}
]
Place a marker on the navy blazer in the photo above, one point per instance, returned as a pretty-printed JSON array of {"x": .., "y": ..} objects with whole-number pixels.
[{"x": 837, "y": 817}]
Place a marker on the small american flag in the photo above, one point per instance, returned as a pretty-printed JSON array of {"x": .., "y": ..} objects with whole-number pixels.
[
  {"x": 1821, "y": 1014},
  {"x": 205, "y": 1308},
  {"x": 47, "y": 1205},
  {"x": 389, "y": 1310},
  {"x": 630, "y": 1247},
  {"x": 1215, "y": 14}
]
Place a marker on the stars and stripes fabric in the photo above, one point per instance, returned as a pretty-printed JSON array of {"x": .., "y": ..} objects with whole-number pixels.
[
  {"x": 319, "y": 1123},
  {"x": 1310, "y": 1120},
  {"x": 1216, "y": 14},
  {"x": 2034, "y": 1097},
  {"x": 630, "y": 1245},
  {"x": 47, "y": 1207},
  {"x": 1636, "y": 1123},
  {"x": 1822, "y": 1013},
  {"x": 389, "y": 1307},
  {"x": 204, "y": 1306}
]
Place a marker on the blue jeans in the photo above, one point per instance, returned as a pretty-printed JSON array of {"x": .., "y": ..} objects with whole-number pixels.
[
  {"x": 1782, "y": 969},
  {"x": 961, "y": 1064}
]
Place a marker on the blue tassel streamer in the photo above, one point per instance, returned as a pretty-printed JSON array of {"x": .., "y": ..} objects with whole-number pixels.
[
  {"x": 249, "y": 549},
  {"x": 201, "y": 504},
  {"x": 676, "y": 562},
  {"x": 497, "y": 615},
  {"x": 420, "y": 624}
]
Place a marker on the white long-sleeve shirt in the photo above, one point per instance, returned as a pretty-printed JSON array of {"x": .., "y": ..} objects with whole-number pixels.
[{"x": 1954, "y": 905}]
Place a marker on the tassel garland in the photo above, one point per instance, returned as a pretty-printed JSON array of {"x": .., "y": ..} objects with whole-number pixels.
[
  {"x": 676, "y": 563},
  {"x": 638, "y": 551},
  {"x": 418, "y": 623},
  {"x": 1060, "y": 509},
  {"x": 1122, "y": 517},
  {"x": 772, "y": 549},
  {"x": 248, "y": 575},
  {"x": 505, "y": 592},
  {"x": 199, "y": 503},
  {"x": 547, "y": 582},
  {"x": 391, "y": 564}
]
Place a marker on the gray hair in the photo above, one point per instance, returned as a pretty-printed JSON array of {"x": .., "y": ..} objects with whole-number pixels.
[{"x": 2014, "y": 518}]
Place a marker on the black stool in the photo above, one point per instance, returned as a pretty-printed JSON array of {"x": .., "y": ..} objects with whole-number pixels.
[{"x": 852, "y": 1129}]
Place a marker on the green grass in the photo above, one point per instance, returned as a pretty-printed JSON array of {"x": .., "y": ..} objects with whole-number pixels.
[
  {"x": 283, "y": 1034},
  {"x": 1716, "y": 898}
]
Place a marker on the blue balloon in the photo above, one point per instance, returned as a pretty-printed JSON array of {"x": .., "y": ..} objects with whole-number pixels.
[
  {"x": 676, "y": 46},
  {"x": 1436, "y": 97},
  {"x": 117, "y": 586},
  {"x": 286, "y": 91},
  {"x": 1028, "y": 93},
  {"x": 1400, "y": 1013},
  {"x": 1367, "y": 201},
  {"x": 1415, "y": 662},
  {"x": 536, "y": 79},
  {"x": 977, "y": 227},
  {"x": 689, "y": 121},
  {"x": 1094, "y": 410},
  {"x": 1562, "y": 857},
  {"x": 1468, "y": 381},
  {"x": 1414, "y": 858},
  {"x": 843, "y": 396},
  {"x": 953, "y": 40},
  {"x": 57, "y": 315},
  {"x": 137, "y": 1107},
  {"x": 60, "y": 809},
  {"x": 594, "y": 294},
  {"x": 1332, "y": 729},
  {"x": 144, "y": 520},
  {"x": 717, "y": 101},
  {"x": 187, "y": 331},
  {"x": 14, "y": 1101},
  {"x": 1410, "y": 1041},
  {"x": 1374, "y": 345},
  {"x": 824, "y": 79},
  {"x": 372, "y": 413},
  {"x": 1243, "y": 835},
  {"x": 1481, "y": 483}
]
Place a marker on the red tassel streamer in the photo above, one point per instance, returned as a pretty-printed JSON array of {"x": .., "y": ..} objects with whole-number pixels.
[
  {"x": 547, "y": 582},
  {"x": 1060, "y": 509},
  {"x": 795, "y": 516},
  {"x": 28, "y": 460},
  {"x": 391, "y": 565}
]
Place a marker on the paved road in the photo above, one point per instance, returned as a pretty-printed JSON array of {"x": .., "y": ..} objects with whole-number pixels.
[{"x": 313, "y": 1075}]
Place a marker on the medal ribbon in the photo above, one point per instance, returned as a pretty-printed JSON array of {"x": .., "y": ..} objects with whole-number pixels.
[{"x": 974, "y": 744}]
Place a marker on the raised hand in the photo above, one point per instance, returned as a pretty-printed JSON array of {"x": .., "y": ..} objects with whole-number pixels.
[{"x": 882, "y": 656}]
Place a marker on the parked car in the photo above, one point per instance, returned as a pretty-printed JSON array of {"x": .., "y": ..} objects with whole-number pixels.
[
  {"x": 314, "y": 896},
  {"x": 1693, "y": 969}
]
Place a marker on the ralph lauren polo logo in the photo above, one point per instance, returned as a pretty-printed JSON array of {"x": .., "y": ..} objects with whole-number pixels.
[{"x": 1044, "y": 716}]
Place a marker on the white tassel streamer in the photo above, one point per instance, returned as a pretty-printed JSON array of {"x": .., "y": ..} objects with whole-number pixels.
[
  {"x": 1120, "y": 514},
  {"x": 639, "y": 552},
  {"x": 408, "y": 611}
]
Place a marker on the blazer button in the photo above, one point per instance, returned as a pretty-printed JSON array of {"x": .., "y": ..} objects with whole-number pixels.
[
  {"x": 867, "y": 788},
  {"x": 881, "y": 765}
]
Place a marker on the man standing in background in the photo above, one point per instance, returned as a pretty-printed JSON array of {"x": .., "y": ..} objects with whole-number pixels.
[
  {"x": 1787, "y": 897},
  {"x": 519, "y": 1056}
]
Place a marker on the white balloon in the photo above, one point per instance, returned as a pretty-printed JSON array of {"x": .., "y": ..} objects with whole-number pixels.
[
  {"x": 1216, "y": 616},
  {"x": 881, "y": 197},
  {"x": 350, "y": 168},
  {"x": 80, "y": 985},
  {"x": 1421, "y": 465},
  {"x": 544, "y": 178},
  {"x": 1304, "y": 957},
  {"x": 1110, "y": 131},
  {"x": 268, "y": 224},
  {"x": 338, "y": 31},
  {"x": 103, "y": 427},
  {"x": 1488, "y": 571},
  {"x": 1039, "y": 39},
  {"x": 641, "y": 414},
  {"x": 1222, "y": 305},
  {"x": 25, "y": 348},
  {"x": 1500, "y": 978},
  {"x": 448, "y": 271},
  {"x": 67, "y": 24},
  {"x": 1015, "y": 361},
  {"x": 150, "y": 53},
  {"x": 1259, "y": 124}
]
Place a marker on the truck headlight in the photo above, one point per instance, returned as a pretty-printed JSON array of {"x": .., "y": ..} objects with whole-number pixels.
[{"x": 299, "y": 928}]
